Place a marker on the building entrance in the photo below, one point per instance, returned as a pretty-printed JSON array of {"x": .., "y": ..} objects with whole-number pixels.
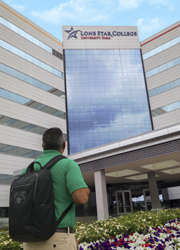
[
  {"x": 147, "y": 199},
  {"x": 123, "y": 202}
]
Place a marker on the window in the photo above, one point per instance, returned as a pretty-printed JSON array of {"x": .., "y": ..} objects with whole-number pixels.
[
  {"x": 30, "y": 38},
  {"x": 19, "y": 151},
  {"x": 24, "y": 34},
  {"x": 163, "y": 67},
  {"x": 30, "y": 103},
  {"x": 161, "y": 48},
  {"x": 165, "y": 109},
  {"x": 30, "y": 58},
  {"x": 164, "y": 88},
  {"x": 101, "y": 105},
  {"x": 19, "y": 124}
]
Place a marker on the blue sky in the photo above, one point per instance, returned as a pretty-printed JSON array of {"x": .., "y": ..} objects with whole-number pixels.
[{"x": 150, "y": 16}]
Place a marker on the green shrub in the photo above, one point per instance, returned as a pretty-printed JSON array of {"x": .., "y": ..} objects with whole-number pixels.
[
  {"x": 7, "y": 243},
  {"x": 127, "y": 224},
  {"x": 101, "y": 229}
]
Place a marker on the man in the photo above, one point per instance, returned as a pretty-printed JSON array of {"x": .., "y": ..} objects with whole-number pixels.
[{"x": 68, "y": 185}]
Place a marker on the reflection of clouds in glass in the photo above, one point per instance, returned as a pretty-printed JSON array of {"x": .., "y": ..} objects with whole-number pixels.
[
  {"x": 99, "y": 133},
  {"x": 107, "y": 99}
]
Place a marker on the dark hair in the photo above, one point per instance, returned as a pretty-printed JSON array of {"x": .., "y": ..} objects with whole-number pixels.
[{"x": 53, "y": 139}]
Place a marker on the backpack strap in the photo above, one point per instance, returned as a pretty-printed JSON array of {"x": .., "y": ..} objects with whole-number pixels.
[
  {"x": 48, "y": 165},
  {"x": 63, "y": 214},
  {"x": 54, "y": 160},
  {"x": 31, "y": 166}
]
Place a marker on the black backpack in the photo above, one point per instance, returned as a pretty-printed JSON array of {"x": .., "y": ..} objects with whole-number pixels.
[{"x": 31, "y": 205}]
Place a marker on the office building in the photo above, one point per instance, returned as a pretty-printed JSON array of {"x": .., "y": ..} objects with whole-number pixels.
[
  {"x": 141, "y": 169},
  {"x": 122, "y": 101},
  {"x": 32, "y": 93}
]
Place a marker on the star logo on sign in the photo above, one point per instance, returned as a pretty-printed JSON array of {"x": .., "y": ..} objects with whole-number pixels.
[{"x": 72, "y": 33}]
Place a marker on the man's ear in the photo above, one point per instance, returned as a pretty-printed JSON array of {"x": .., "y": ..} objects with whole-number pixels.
[
  {"x": 64, "y": 145},
  {"x": 42, "y": 146}
]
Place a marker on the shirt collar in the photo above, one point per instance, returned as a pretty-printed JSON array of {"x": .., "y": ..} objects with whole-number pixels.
[{"x": 50, "y": 152}]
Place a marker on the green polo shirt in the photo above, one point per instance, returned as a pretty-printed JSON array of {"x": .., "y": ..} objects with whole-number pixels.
[{"x": 67, "y": 178}]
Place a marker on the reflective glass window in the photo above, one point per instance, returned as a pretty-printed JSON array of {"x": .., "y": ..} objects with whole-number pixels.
[
  {"x": 30, "y": 103},
  {"x": 30, "y": 58},
  {"x": 161, "y": 48},
  {"x": 6, "y": 179},
  {"x": 165, "y": 109},
  {"x": 101, "y": 105},
  {"x": 15, "y": 73},
  {"x": 166, "y": 45},
  {"x": 176, "y": 105},
  {"x": 19, "y": 124},
  {"x": 19, "y": 151},
  {"x": 177, "y": 61},
  {"x": 170, "y": 64},
  {"x": 174, "y": 41},
  {"x": 164, "y": 87},
  {"x": 25, "y": 34},
  {"x": 163, "y": 67},
  {"x": 155, "y": 71}
]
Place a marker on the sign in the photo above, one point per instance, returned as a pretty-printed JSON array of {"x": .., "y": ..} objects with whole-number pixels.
[{"x": 98, "y": 34}]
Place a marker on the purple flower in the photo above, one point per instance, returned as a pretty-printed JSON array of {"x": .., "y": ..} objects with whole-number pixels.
[
  {"x": 126, "y": 236},
  {"x": 151, "y": 240},
  {"x": 156, "y": 239},
  {"x": 171, "y": 221}
]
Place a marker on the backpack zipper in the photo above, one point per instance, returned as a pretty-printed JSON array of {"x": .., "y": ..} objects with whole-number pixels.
[
  {"x": 21, "y": 186},
  {"x": 35, "y": 187},
  {"x": 28, "y": 185}
]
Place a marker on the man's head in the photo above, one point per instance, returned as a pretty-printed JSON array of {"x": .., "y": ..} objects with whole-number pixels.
[{"x": 53, "y": 139}]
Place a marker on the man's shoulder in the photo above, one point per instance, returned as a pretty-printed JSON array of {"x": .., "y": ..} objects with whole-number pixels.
[{"x": 68, "y": 162}]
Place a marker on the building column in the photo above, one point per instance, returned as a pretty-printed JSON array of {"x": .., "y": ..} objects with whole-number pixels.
[
  {"x": 101, "y": 195},
  {"x": 153, "y": 190}
]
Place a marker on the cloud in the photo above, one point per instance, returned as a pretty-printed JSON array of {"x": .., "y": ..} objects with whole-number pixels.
[
  {"x": 129, "y": 4},
  {"x": 18, "y": 7},
  {"x": 159, "y": 3},
  {"x": 149, "y": 25},
  {"x": 134, "y": 4},
  {"x": 79, "y": 10}
]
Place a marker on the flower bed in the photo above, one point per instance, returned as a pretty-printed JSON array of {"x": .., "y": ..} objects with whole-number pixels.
[
  {"x": 141, "y": 230},
  {"x": 159, "y": 238},
  {"x": 126, "y": 224}
]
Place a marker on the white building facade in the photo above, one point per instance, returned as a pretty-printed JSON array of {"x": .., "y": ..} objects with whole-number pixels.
[
  {"x": 161, "y": 56},
  {"x": 32, "y": 93}
]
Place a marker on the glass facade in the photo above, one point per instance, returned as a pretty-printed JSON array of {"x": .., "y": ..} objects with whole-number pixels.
[
  {"x": 23, "y": 77},
  {"x": 123, "y": 198},
  {"x": 106, "y": 97},
  {"x": 118, "y": 205},
  {"x": 162, "y": 48}
]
